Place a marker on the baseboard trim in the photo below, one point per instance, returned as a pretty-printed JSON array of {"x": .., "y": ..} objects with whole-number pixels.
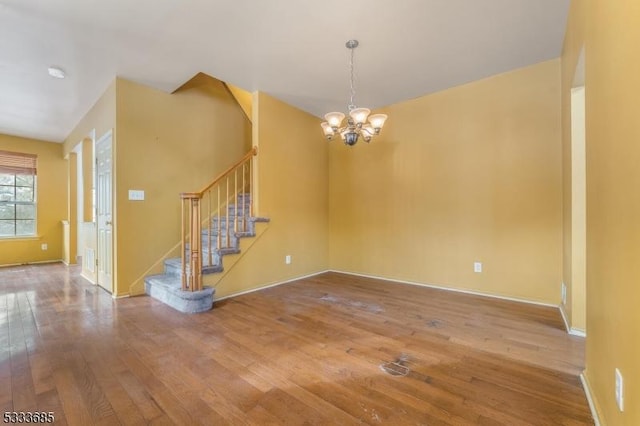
[
  {"x": 120, "y": 296},
  {"x": 577, "y": 332},
  {"x": 456, "y": 290},
  {"x": 564, "y": 319},
  {"x": 88, "y": 279},
  {"x": 571, "y": 330},
  {"x": 39, "y": 262},
  {"x": 590, "y": 400},
  {"x": 264, "y": 287}
]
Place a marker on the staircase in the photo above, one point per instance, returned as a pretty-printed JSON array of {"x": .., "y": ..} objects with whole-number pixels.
[{"x": 206, "y": 242}]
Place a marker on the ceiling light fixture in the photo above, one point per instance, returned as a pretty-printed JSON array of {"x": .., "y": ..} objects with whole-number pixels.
[
  {"x": 56, "y": 72},
  {"x": 357, "y": 120}
]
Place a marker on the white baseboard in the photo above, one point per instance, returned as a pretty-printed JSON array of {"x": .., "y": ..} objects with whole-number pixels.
[
  {"x": 577, "y": 332},
  {"x": 564, "y": 318},
  {"x": 571, "y": 330},
  {"x": 590, "y": 400},
  {"x": 457, "y": 290},
  {"x": 88, "y": 279},
  {"x": 229, "y": 296},
  {"x": 121, "y": 296}
]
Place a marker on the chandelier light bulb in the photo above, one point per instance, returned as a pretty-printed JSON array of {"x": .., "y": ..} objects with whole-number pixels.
[
  {"x": 334, "y": 119},
  {"x": 359, "y": 115},
  {"x": 377, "y": 121},
  {"x": 328, "y": 131}
]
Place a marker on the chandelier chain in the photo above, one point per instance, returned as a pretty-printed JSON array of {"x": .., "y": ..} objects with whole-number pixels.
[{"x": 352, "y": 105}]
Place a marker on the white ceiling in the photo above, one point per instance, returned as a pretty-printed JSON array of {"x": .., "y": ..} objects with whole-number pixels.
[{"x": 291, "y": 49}]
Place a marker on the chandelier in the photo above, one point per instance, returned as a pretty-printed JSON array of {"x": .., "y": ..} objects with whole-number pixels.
[{"x": 357, "y": 120}]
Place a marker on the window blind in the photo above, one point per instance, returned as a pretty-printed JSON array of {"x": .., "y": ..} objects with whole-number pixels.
[{"x": 18, "y": 163}]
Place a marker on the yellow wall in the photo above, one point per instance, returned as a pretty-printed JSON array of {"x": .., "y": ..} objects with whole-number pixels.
[
  {"x": 167, "y": 144},
  {"x": 101, "y": 118},
  {"x": 244, "y": 98},
  {"x": 610, "y": 33},
  {"x": 292, "y": 168},
  {"x": 52, "y": 206},
  {"x": 469, "y": 174}
]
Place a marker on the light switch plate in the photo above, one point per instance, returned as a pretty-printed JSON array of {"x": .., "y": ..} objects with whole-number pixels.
[{"x": 136, "y": 195}]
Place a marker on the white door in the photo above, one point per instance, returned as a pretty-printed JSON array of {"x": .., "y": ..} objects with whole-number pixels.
[{"x": 104, "y": 207}]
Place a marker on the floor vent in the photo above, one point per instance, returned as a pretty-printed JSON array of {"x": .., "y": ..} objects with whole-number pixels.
[{"x": 398, "y": 367}]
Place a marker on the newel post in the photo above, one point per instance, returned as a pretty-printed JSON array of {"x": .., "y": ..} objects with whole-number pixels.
[{"x": 191, "y": 230}]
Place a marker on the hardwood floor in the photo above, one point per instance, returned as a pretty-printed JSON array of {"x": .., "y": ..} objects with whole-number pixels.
[{"x": 308, "y": 352}]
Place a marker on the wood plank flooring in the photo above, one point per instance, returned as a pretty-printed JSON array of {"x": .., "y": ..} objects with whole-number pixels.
[{"x": 308, "y": 352}]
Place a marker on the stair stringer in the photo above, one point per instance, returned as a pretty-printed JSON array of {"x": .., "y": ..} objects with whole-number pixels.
[{"x": 231, "y": 260}]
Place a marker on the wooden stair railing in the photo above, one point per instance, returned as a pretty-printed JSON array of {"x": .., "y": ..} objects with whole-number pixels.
[{"x": 234, "y": 185}]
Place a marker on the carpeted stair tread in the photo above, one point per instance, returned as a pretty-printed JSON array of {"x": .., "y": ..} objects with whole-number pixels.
[{"x": 168, "y": 289}]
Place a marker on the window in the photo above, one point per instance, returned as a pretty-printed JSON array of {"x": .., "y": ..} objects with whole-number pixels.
[{"x": 17, "y": 194}]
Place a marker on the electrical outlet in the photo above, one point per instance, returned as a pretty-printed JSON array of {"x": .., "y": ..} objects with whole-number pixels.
[
  {"x": 44, "y": 247},
  {"x": 477, "y": 266},
  {"x": 619, "y": 390},
  {"x": 287, "y": 259},
  {"x": 563, "y": 290}
]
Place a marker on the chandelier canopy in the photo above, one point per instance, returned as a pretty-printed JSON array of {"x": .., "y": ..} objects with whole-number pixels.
[{"x": 357, "y": 119}]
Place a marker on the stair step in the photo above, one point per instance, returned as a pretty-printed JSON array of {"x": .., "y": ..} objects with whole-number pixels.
[
  {"x": 240, "y": 206},
  {"x": 173, "y": 266},
  {"x": 168, "y": 289},
  {"x": 223, "y": 224},
  {"x": 231, "y": 219},
  {"x": 204, "y": 248},
  {"x": 228, "y": 250},
  {"x": 249, "y": 220},
  {"x": 204, "y": 242},
  {"x": 249, "y": 231}
]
